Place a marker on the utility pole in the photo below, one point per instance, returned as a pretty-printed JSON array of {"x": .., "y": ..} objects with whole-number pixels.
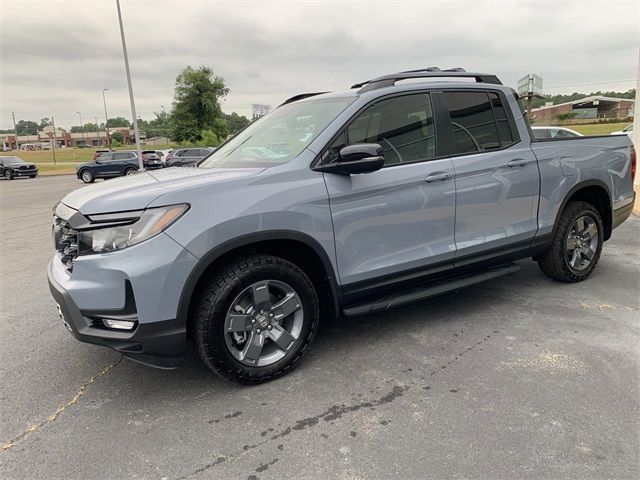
[
  {"x": 53, "y": 145},
  {"x": 106, "y": 118},
  {"x": 81, "y": 127},
  {"x": 131, "y": 100},
  {"x": 15, "y": 129},
  {"x": 636, "y": 117},
  {"x": 97, "y": 131}
]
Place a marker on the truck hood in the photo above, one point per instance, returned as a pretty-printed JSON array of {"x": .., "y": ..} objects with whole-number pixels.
[{"x": 135, "y": 192}]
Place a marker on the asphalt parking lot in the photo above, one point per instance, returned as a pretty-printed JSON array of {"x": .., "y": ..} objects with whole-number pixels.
[{"x": 520, "y": 377}]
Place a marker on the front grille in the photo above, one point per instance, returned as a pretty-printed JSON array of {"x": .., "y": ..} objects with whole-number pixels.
[{"x": 65, "y": 240}]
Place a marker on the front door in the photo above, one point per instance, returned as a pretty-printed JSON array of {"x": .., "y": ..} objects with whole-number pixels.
[
  {"x": 496, "y": 177},
  {"x": 398, "y": 222}
]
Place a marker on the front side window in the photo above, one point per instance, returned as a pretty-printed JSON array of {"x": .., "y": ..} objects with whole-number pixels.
[
  {"x": 402, "y": 126},
  {"x": 475, "y": 127},
  {"x": 279, "y": 136}
]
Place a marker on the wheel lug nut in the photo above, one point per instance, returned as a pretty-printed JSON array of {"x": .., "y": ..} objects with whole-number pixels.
[
  {"x": 258, "y": 331},
  {"x": 271, "y": 315},
  {"x": 253, "y": 320},
  {"x": 269, "y": 327}
]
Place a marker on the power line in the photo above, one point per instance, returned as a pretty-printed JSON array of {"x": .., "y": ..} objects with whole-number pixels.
[{"x": 589, "y": 83}]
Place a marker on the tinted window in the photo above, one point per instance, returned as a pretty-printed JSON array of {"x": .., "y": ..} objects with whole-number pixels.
[
  {"x": 122, "y": 156},
  {"x": 499, "y": 112},
  {"x": 473, "y": 122},
  {"x": 402, "y": 126},
  {"x": 105, "y": 157}
]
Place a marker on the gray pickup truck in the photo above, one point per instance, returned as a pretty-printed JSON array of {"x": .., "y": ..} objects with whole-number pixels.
[{"x": 333, "y": 205}]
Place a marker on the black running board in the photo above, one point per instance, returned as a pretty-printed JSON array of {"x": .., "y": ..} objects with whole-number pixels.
[{"x": 430, "y": 290}]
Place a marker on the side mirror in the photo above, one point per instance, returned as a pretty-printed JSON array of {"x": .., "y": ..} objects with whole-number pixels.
[
  {"x": 354, "y": 159},
  {"x": 97, "y": 160}
]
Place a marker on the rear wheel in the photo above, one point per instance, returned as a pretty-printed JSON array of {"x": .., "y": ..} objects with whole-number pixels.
[
  {"x": 87, "y": 176},
  {"x": 130, "y": 171},
  {"x": 256, "y": 319},
  {"x": 8, "y": 174},
  {"x": 577, "y": 244}
]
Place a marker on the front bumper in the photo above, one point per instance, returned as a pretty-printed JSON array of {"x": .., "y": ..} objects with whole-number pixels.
[
  {"x": 25, "y": 173},
  {"x": 146, "y": 280},
  {"x": 160, "y": 344}
]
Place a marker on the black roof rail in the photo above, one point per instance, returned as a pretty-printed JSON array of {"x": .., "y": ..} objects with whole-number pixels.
[
  {"x": 429, "y": 72},
  {"x": 300, "y": 96}
]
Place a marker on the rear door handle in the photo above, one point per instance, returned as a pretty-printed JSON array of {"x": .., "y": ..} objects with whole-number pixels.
[
  {"x": 434, "y": 177},
  {"x": 517, "y": 162}
]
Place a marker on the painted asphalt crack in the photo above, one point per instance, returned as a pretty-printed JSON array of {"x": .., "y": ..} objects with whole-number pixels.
[{"x": 52, "y": 418}]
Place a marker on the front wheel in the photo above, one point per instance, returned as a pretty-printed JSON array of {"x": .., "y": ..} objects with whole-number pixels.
[
  {"x": 8, "y": 174},
  {"x": 32, "y": 176},
  {"x": 256, "y": 318},
  {"x": 577, "y": 244}
]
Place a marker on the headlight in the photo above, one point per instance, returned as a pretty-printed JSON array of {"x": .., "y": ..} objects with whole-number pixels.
[{"x": 151, "y": 222}]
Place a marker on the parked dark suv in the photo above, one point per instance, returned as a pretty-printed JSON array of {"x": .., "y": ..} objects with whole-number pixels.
[
  {"x": 12, "y": 167},
  {"x": 187, "y": 157},
  {"x": 114, "y": 164}
]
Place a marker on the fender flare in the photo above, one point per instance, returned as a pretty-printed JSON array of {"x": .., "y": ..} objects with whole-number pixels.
[
  {"x": 579, "y": 186},
  {"x": 242, "y": 241}
]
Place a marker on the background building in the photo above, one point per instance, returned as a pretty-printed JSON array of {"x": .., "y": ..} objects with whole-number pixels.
[
  {"x": 587, "y": 110},
  {"x": 66, "y": 139}
]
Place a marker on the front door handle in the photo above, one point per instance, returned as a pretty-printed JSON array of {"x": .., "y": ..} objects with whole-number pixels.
[
  {"x": 434, "y": 177},
  {"x": 518, "y": 162}
]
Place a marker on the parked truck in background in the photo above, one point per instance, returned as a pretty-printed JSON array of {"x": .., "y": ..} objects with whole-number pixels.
[{"x": 381, "y": 195}]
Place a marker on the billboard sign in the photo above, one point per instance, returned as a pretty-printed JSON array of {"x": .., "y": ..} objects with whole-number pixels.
[{"x": 530, "y": 84}]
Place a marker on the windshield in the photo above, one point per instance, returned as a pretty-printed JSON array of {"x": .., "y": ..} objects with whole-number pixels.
[
  {"x": 278, "y": 137},
  {"x": 11, "y": 160}
]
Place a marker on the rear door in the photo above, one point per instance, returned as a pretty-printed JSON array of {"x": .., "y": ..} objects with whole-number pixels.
[
  {"x": 496, "y": 176},
  {"x": 396, "y": 224}
]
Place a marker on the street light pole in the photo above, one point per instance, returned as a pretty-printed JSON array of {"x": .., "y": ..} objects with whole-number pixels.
[
  {"x": 81, "y": 127},
  {"x": 53, "y": 144},
  {"x": 131, "y": 100},
  {"x": 97, "y": 131},
  {"x": 106, "y": 118}
]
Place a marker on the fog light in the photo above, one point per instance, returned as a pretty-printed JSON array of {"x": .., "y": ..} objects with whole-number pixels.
[{"x": 119, "y": 324}]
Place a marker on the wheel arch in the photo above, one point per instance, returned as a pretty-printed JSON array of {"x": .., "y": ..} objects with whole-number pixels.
[
  {"x": 595, "y": 192},
  {"x": 299, "y": 248}
]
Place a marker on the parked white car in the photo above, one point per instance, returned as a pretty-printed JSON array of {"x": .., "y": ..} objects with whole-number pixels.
[
  {"x": 554, "y": 132},
  {"x": 625, "y": 131}
]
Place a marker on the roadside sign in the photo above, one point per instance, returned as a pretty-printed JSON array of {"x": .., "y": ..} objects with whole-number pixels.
[{"x": 530, "y": 84}]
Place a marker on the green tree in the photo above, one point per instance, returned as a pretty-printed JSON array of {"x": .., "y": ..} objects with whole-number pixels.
[
  {"x": 118, "y": 122},
  {"x": 196, "y": 105},
  {"x": 45, "y": 122},
  {"x": 116, "y": 137},
  {"x": 27, "y": 127},
  {"x": 236, "y": 122}
]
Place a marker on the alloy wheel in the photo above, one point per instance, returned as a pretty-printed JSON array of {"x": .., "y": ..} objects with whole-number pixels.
[
  {"x": 263, "y": 323},
  {"x": 582, "y": 243}
]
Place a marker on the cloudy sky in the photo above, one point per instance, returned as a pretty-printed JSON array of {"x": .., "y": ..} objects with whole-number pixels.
[{"x": 56, "y": 56}]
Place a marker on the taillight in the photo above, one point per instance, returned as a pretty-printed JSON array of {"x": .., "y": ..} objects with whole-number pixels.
[{"x": 633, "y": 164}]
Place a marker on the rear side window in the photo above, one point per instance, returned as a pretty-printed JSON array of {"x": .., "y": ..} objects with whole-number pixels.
[
  {"x": 479, "y": 122},
  {"x": 504, "y": 130},
  {"x": 402, "y": 126}
]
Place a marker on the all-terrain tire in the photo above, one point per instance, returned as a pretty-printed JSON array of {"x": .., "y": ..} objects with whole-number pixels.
[
  {"x": 216, "y": 298},
  {"x": 554, "y": 263}
]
